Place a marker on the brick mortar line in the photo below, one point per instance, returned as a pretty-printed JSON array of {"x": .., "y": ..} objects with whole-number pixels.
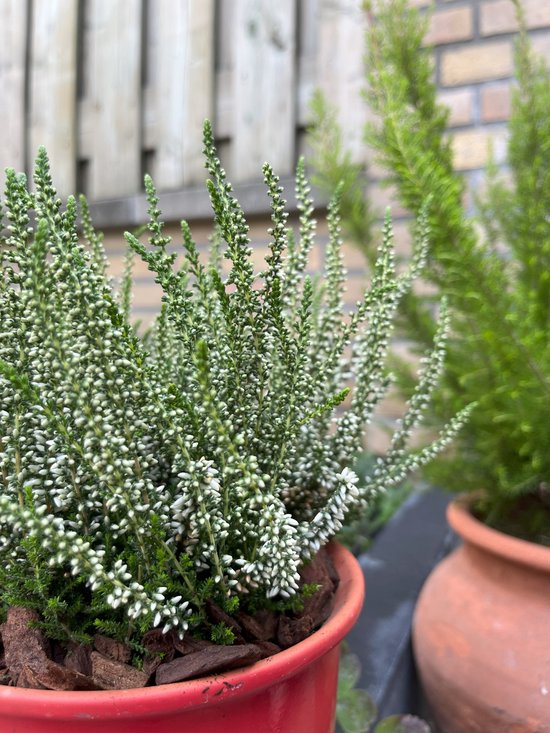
[{"x": 493, "y": 38}]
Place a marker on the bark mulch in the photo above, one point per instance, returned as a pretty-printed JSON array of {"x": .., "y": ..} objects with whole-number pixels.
[{"x": 28, "y": 659}]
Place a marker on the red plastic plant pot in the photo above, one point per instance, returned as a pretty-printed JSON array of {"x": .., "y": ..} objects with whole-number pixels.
[{"x": 291, "y": 692}]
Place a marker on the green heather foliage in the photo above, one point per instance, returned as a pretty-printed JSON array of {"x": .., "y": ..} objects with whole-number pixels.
[
  {"x": 334, "y": 168},
  {"x": 139, "y": 482},
  {"x": 497, "y": 281}
]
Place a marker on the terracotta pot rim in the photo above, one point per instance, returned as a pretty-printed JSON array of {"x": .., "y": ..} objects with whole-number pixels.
[
  {"x": 474, "y": 532},
  {"x": 216, "y": 688}
]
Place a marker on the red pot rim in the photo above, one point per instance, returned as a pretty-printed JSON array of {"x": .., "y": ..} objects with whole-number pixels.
[
  {"x": 474, "y": 532},
  {"x": 347, "y": 606}
]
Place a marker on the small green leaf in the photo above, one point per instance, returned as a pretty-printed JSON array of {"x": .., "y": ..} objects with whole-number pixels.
[
  {"x": 348, "y": 674},
  {"x": 402, "y": 724},
  {"x": 356, "y": 711}
]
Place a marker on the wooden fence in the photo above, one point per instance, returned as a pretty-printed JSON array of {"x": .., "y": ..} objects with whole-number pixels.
[{"x": 114, "y": 88}]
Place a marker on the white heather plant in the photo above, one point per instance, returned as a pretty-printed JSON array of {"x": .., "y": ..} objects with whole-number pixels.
[{"x": 140, "y": 479}]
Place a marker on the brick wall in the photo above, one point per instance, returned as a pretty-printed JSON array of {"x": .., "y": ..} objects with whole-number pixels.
[
  {"x": 473, "y": 44},
  {"x": 474, "y": 50}
]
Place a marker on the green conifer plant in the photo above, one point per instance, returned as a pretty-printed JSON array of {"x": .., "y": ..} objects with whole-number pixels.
[
  {"x": 496, "y": 276},
  {"x": 140, "y": 479}
]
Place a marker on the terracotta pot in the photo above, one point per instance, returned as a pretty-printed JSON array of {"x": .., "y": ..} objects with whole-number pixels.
[
  {"x": 293, "y": 691},
  {"x": 481, "y": 633}
]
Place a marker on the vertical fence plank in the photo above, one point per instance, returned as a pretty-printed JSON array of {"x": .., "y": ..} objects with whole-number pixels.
[
  {"x": 263, "y": 87},
  {"x": 261, "y": 96},
  {"x": 111, "y": 111},
  {"x": 52, "y": 99},
  {"x": 199, "y": 87},
  {"x": 340, "y": 67},
  {"x": 225, "y": 51},
  {"x": 12, "y": 83},
  {"x": 180, "y": 88},
  {"x": 307, "y": 40}
]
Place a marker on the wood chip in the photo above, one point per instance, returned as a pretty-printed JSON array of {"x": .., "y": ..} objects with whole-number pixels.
[
  {"x": 331, "y": 568},
  {"x": 112, "y": 675},
  {"x": 58, "y": 652},
  {"x": 5, "y": 678},
  {"x": 269, "y": 621},
  {"x": 293, "y": 630},
  {"x": 23, "y": 645},
  {"x": 155, "y": 641},
  {"x": 188, "y": 645},
  {"x": 113, "y": 649},
  {"x": 254, "y": 629},
  {"x": 218, "y": 615},
  {"x": 319, "y": 605},
  {"x": 207, "y": 661},
  {"x": 53, "y": 676},
  {"x": 78, "y": 659},
  {"x": 267, "y": 648},
  {"x": 316, "y": 570},
  {"x": 27, "y": 679},
  {"x": 151, "y": 663},
  {"x": 159, "y": 648}
]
